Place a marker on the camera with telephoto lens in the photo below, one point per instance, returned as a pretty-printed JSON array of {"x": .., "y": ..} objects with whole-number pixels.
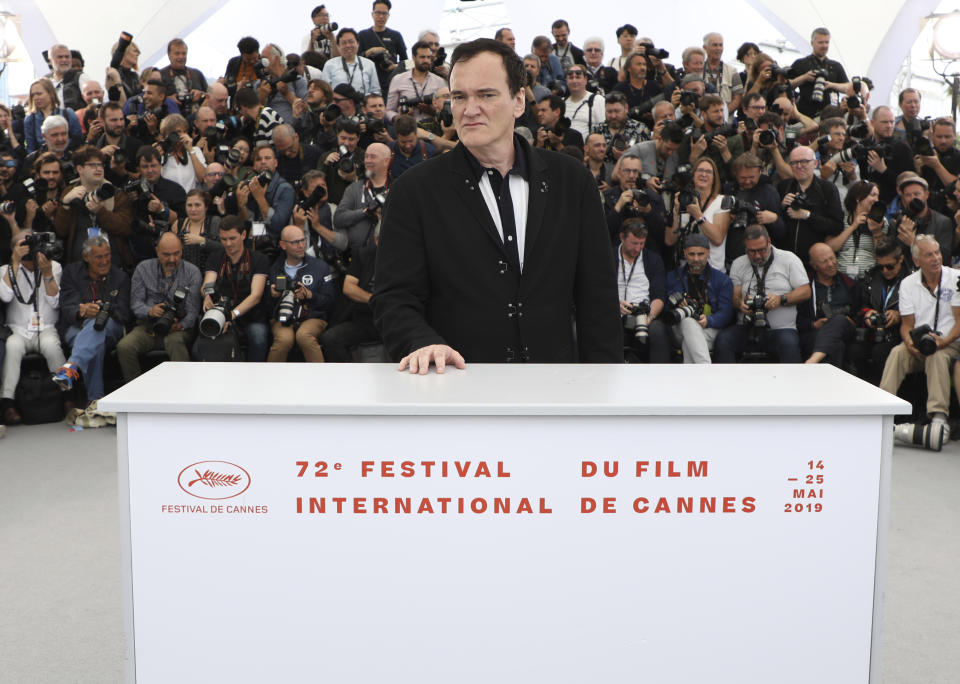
[
  {"x": 641, "y": 328},
  {"x": 853, "y": 102},
  {"x": 331, "y": 27},
  {"x": 652, "y": 51},
  {"x": 405, "y": 104},
  {"x": 382, "y": 60},
  {"x": 373, "y": 124},
  {"x": 288, "y": 76},
  {"x": 288, "y": 302},
  {"x": 313, "y": 199},
  {"x": 800, "y": 202},
  {"x": 742, "y": 212},
  {"x": 878, "y": 212},
  {"x": 641, "y": 197},
  {"x": 923, "y": 339},
  {"x": 859, "y": 131},
  {"x": 345, "y": 163},
  {"x": 106, "y": 311},
  {"x": 213, "y": 321},
  {"x": 8, "y": 207},
  {"x": 169, "y": 144},
  {"x": 912, "y": 210},
  {"x": 260, "y": 68},
  {"x": 562, "y": 127},
  {"x": 776, "y": 71},
  {"x": 558, "y": 88},
  {"x": 757, "y": 318},
  {"x": 819, "y": 85},
  {"x": 689, "y": 98},
  {"x": 930, "y": 436},
  {"x": 767, "y": 136},
  {"x": 68, "y": 172},
  {"x": 679, "y": 310},
  {"x": 216, "y": 134},
  {"x": 43, "y": 243},
  {"x": 439, "y": 60},
  {"x": 172, "y": 311}
]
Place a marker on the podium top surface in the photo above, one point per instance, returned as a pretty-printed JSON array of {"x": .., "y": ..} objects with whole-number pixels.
[{"x": 502, "y": 389}]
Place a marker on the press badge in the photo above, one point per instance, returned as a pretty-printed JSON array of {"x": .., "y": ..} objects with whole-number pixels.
[
  {"x": 93, "y": 231},
  {"x": 259, "y": 229},
  {"x": 36, "y": 322}
]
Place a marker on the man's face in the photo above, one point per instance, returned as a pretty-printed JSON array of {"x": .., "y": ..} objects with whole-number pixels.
[
  {"x": 312, "y": 185},
  {"x": 287, "y": 145},
  {"x": 632, "y": 245},
  {"x": 348, "y": 140},
  {"x": 560, "y": 35},
  {"x": 545, "y": 115},
  {"x": 626, "y": 40},
  {"x": 8, "y": 167},
  {"x": 910, "y": 106},
  {"x": 204, "y": 119},
  {"x": 98, "y": 261},
  {"x": 616, "y": 114},
  {"x": 441, "y": 97},
  {"x": 265, "y": 160},
  {"x": 929, "y": 258},
  {"x": 824, "y": 262},
  {"x": 714, "y": 48},
  {"x": 380, "y": 15},
  {"x": 914, "y": 191},
  {"x": 820, "y": 45},
  {"x": 433, "y": 40},
  {"x": 577, "y": 81},
  {"x": 714, "y": 115},
  {"x": 664, "y": 111},
  {"x": 218, "y": 99},
  {"x": 150, "y": 169},
  {"x": 294, "y": 244},
  {"x": 756, "y": 109},
  {"x": 883, "y": 123},
  {"x": 803, "y": 162},
  {"x": 61, "y": 60},
  {"x": 758, "y": 250},
  {"x": 593, "y": 54},
  {"x": 943, "y": 138},
  {"x": 178, "y": 57},
  {"x": 629, "y": 172},
  {"x": 596, "y": 147},
  {"x": 153, "y": 96},
  {"x": 696, "y": 259},
  {"x": 638, "y": 69},
  {"x": 543, "y": 52},
  {"x": 890, "y": 266},
  {"x": 748, "y": 178},
  {"x": 214, "y": 174},
  {"x": 375, "y": 107},
  {"x": 348, "y": 45},
  {"x": 315, "y": 94},
  {"x": 92, "y": 91},
  {"x": 407, "y": 143},
  {"x": 321, "y": 18},
  {"x": 698, "y": 87},
  {"x": 666, "y": 147},
  {"x": 50, "y": 175},
  {"x": 56, "y": 139},
  {"x": 169, "y": 253},
  {"x": 91, "y": 173},
  {"x": 423, "y": 59},
  {"x": 276, "y": 63},
  {"x": 506, "y": 36},
  {"x": 376, "y": 160},
  {"x": 232, "y": 240},
  {"x": 694, "y": 64},
  {"x": 838, "y": 136},
  {"x": 532, "y": 67},
  {"x": 483, "y": 108},
  {"x": 347, "y": 105}
]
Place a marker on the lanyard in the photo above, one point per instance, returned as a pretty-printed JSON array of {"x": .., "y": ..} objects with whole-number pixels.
[
  {"x": 761, "y": 278},
  {"x": 936, "y": 313},
  {"x": 351, "y": 73},
  {"x": 15, "y": 286},
  {"x": 887, "y": 296},
  {"x": 623, "y": 271}
]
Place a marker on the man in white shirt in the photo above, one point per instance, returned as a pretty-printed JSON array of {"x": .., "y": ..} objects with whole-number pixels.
[
  {"x": 349, "y": 67},
  {"x": 67, "y": 82},
  {"x": 928, "y": 297},
  {"x": 30, "y": 287},
  {"x": 586, "y": 110}
]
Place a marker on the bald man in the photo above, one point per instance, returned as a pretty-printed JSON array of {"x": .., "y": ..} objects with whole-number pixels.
[
  {"x": 155, "y": 296},
  {"x": 834, "y": 306},
  {"x": 359, "y": 211},
  {"x": 302, "y": 294}
]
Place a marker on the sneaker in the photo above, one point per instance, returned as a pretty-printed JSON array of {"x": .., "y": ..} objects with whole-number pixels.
[{"x": 65, "y": 376}]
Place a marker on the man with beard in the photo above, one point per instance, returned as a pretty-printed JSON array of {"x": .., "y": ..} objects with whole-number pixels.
[{"x": 415, "y": 84}]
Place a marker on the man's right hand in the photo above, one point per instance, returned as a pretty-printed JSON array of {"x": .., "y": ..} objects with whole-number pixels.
[
  {"x": 88, "y": 310},
  {"x": 439, "y": 354}
]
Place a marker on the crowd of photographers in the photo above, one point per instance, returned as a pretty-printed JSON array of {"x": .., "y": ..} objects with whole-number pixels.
[{"x": 769, "y": 213}]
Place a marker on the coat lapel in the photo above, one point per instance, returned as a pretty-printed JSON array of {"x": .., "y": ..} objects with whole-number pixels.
[{"x": 536, "y": 200}]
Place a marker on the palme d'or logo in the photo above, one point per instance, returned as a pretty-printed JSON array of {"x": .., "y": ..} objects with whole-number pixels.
[{"x": 214, "y": 480}]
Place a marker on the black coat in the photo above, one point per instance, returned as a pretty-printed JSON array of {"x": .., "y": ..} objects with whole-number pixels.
[{"x": 443, "y": 275}]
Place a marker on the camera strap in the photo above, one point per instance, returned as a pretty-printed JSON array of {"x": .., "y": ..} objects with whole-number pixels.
[
  {"x": 349, "y": 73},
  {"x": 761, "y": 277},
  {"x": 15, "y": 286},
  {"x": 623, "y": 271}
]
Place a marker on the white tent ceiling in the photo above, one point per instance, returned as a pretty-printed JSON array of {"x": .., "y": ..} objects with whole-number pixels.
[{"x": 869, "y": 38}]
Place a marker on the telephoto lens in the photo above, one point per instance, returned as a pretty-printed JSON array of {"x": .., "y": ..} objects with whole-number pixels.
[{"x": 930, "y": 436}]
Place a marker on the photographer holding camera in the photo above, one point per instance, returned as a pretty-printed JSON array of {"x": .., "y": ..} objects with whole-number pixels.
[
  {"x": 314, "y": 214},
  {"x": 753, "y": 188},
  {"x": 637, "y": 87},
  {"x": 703, "y": 299},
  {"x": 119, "y": 148},
  {"x": 929, "y": 327},
  {"x": 30, "y": 289},
  {"x": 718, "y": 141},
  {"x": 831, "y": 313},
  {"x": 360, "y": 210},
  {"x": 183, "y": 163},
  {"x": 302, "y": 295},
  {"x": 407, "y": 149},
  {"x": 94, "y": 307},
  {"x": 146, "y": 114},
  {"x": 916, "y": 217},
  {"x": 818, "y": 77},
  {"x": 92, "y": 207},
  {"x": 768, "y": 284},
  {"x": 630, "y": 198},
  {"x": 271, "y": 198},
  {"x": 350, "y": 68},
  {"x": 843, "y": 174},
  {"x": 642, "y": 292},
  {"x": 555, "y": 131},
  {"x": 881, "y": 301},
  {"x": 43, "y": 199},
  {"x": 941, "y": 169},
  {"x": 321, "y": 39},
  {"x": 374, "y": 126},
  {"x": 382, "y": 45},
  {"x": 281, "y": 85},
  {"x": 182, "y": 81},
  {"x": 810, "y": 207},
  {"x": 165, "y": 300},
  {"x": 660, "y": 156},
  {"x": 294, "y": 158},
  {"x": 618, "y": 130},
  {"x": 887, "y": 157},
  {"x": 344, "y": 164},
  {"x": 416, "y": 86},
  {"x": 255, "y": 118},
  {"x": 244, "y": 69}
]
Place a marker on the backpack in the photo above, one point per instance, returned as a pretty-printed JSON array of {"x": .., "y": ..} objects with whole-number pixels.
[{"x": 37, "y": 396}]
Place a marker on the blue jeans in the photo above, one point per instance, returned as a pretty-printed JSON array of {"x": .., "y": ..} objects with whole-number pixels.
[
  {"x": 258, "y": 340},
  {"x": 89, "y": 348},
  {"x": 784, "y": 344}
]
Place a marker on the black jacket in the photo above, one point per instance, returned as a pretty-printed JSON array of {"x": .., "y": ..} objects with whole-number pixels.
[
  {"x": 76, "y": 288},
  {"x": 826, "y": 217},
  {"x": 444, "y": 277}
]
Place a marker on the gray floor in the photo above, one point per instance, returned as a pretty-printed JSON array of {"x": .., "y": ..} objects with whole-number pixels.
[{"x": 60, "y": 561}]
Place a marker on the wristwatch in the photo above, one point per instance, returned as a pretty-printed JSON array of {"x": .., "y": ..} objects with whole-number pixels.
[
  {"x": 783, "y": 300},
  {"x": 431, "y": 137}
]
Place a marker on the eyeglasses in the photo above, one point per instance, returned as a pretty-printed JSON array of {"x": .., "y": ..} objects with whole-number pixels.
[
  {"x": 381, "y": 13},
  {"x": 94, "y": 165},
  {"x": 887, "y": 267},
  {"x": 592, "y": 50},
  {"x": 762, "y": 250},
  {"x": 301, "y": 241},
  {"x": 214, "y": 173},
  {"x": 802, "y": 162},
  {"x": 705, "y": 171}
]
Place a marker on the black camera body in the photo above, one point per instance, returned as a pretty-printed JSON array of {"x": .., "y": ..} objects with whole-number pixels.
[
  {"x": 800, "y": 202},
  {"x": 757, "y": 318},
  {"x": 106, "y": 311},
  {"x": 680, "y": 306},
  {"x": 44, "y": 243},
  {"x": 923, "y": 339},
  {"x": 172, "y": 311},
  {"x": 742, "y": 213},
  {"x": 641, "y": 329},
  {"x": 313, "y": 199}
]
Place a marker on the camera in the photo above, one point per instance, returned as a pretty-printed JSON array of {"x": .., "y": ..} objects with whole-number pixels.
[
  {"x": 104, "y": 192},
  {"x": 651, "y": 51},
  {"x": 877, "y": 212},
  {"x": 689, "y": 98},
  {"x": 819, "y": 85},
  {"x": 641, "y": 197},
  {"x": 767, "y": 137},
  {"x": 562, "y": 127},
  {"x": 216, "y": 133},
  {"x": 169, "y": 144},
  {"x": 171, "y": 311},
  {"x": 44, "y": 243},
  {"x": 382, "y": 60},
  {"x": 641, "y": 330},
  {"x": 140, "y": 188},
  {"x": 853, "y": 102},
  {"x": 332, "y": 112},
  {"x": 440, "y": 58},
  {"x": 8, "y": 207},
  {"x": 405, "y": 104},
  {"x": 445, "y": 115},
  {"x": 287, "y": 305},
  {"x": 346, "y": 163},
  {"x": 68, "y": 172},
  {"x": 875, "y": 319},
  {"x": 678, "y": 311},
  {"x": 776, "y": 71},
  {"x": 742, "y": 213},
  {"x": 331, "y": 27},
  {"x": 377, "y": 200},
  {"x": 930, "y": 436},
  {"x": 757, "y": 318},
  {"x": 800, "y": 202},
  {"x": 313, "y": 199},
  {"x": 106, "y": 310},
  {"x": 213, "y": 321},
  {"x": 373, "y": 125},
  {"x": 923, "y": 339},
  {"x": 288, "y": 76}
]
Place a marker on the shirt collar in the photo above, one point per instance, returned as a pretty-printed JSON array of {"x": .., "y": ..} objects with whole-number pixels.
[{"x": 519, "y": 168}]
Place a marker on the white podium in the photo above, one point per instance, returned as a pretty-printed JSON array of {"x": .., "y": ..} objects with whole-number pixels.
[{"x": 348, "y": 523}]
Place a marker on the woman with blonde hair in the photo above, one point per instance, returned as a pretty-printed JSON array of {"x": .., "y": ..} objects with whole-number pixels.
[{"x": 43, "y": 101}]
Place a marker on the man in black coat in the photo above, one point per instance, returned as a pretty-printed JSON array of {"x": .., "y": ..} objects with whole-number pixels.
[{"x": 459, "y": 277}]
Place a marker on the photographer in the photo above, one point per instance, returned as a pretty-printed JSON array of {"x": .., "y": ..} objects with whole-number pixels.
[
  {"x": 407, "y": 149},
  {"x": 10, "y": 191},
  {"x": 256, "y": 119},
  {"x": 707, "y": 289},
  {"x": 630, "y": 198},
  {"x": 820, "y": 79},
  {"x": 643, "y": 288},
  {"x": 941, "y": 169},
  {"x": 768, "y": 284},
  {"x": 888, "y": 157},
  {"x": 314, "y": 120},
  {"x": 359, "y": 212},
  {"x": 555, "y": 131},
  {"x": 182, "y": 82},
  {"x": 843, "y": 174},
  {"x": 198, "y": 230},
  {"x": 302, "y": 306},
  {"x": 183, "y": 163},
  {"x": 94, "y": 307},
  {"x": 414, "y": 86},
  {"x": 930, "y": 317},
  {"x": 703, "y": 213},
  {"x": 240, "y": 276},
  {"x": 321, "y": 39},
  {"x": 269, "y": 203},
  {"x": 718, "y": 141},
  {"x": 533, "y": 91},
  {"x": 281, "y": 85},
  {"x": 753, "y": 188},
  {"x": 618, "y": 130},
  {"x": 156, "y": 202},
  {"x": 345, "y": 163},
  {"x": 855, "y": 245},
  {"x": 145, "y": 116},
  {"x": 881, "y": 302},
  {"x": 359, "y": 327},
  {"x": 810, "y": 207},
  {"x": 244, "y": 69},
  {"x": 381, "y": 44},
  {"x": 722, "y": 76},
  {"x": 587, "y": 109},
  {"x": 916, "y": 217},
  {"x": 314, "y": 215},
  {"x": 440, "y": 131},
  {"x": 350, "y": 68},
  {"x": 66, "y": 81},
  {"x": 92, "y": 207},
  {"x": 119, "y": 148},
  {"x": 30, "y": 289},
  {"x": 294, "y": 158},
  {"x": 637, "y": 87},
  {"x": 834, "y": 304},
  {"x": 41, "y": 204},
  {"x": 594, "y": 153},
  {"x": 660, "y": 156},
  {"x": 765, "y": 143},
  {"x": 162, "y": 287}
]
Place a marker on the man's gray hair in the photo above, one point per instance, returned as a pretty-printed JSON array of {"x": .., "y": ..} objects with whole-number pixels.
[
  {"x": 427, "y": 32},
  {"x": 593, "y": 39},
  {"x": 692, "y": 51},
  {"x": 56, "y": 46},
  {"x": 819, "y": 31},
  {"x": 923, "y": 239},
  {"x": 284, "y": 130},
  {"x": 15, "y": 240},
  {"x": 53, "y": 121},
  {"x": 95, "y": 241},
  {"x": 276, "y": 49},
  {"x": 707, "y": 37},
  {"x": 755, "y": 232}
]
